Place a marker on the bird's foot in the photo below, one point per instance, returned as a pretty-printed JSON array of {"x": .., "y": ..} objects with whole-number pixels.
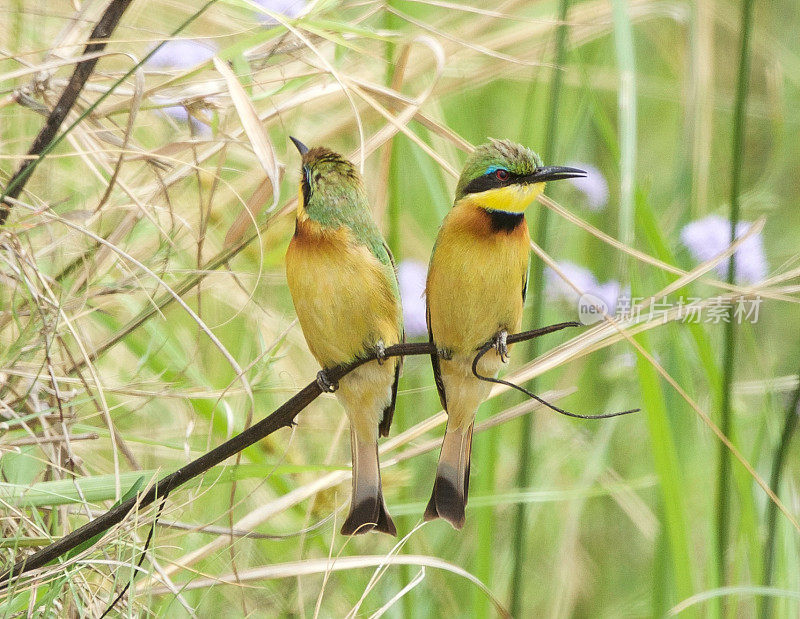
[
  {"x": 327, "y": 385},
  {"x": 445, "y": 353},
  {"x": 500, "y": 343},
  {"x": 380, "y": 352}
]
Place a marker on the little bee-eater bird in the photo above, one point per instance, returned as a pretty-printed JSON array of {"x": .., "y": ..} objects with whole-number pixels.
[
  {"x": 344, "y": 287},
  {"x": 475, "y": 294}
]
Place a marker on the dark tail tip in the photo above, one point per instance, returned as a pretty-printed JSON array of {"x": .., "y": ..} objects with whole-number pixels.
[
  {"x": 369, "y": 515},
  {"x": 431, "y": 512},
  {"x": 302, "y": 148},
  {"x": 385, "y": 522},
  {"x": 447, "y": 502}
]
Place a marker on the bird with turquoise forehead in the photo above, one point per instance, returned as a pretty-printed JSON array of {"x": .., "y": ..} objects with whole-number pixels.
[{"x": 475, "y": 292}]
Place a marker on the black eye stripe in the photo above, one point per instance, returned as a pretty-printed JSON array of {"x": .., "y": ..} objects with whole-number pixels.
[{"x": 489, "y": 181}]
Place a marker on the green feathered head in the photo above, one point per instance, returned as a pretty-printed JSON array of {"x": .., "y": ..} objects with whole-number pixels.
[
  {"x": 332, "y": 194},
  {"x": 329, "y": 181},
  {"x": 501, "y": 163}
]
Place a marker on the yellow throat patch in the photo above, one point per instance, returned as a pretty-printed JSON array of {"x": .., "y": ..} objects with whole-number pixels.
[
  {"x": 510, "y": 199},
  {"x": 301, "y": 209}
]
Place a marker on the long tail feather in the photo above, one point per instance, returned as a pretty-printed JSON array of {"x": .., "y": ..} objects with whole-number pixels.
[
  {"x": 367, "y": 509},
  {"x": 451, "y": 488}
]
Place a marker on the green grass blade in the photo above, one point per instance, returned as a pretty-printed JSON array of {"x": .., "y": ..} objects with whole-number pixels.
[
  {"x": 667, "y": 467},
  {"x": 726, "y": 422},
  {"x": 536, "y": 283}
]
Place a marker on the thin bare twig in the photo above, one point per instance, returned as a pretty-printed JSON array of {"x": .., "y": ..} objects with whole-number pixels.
[
  {"x": 47, "y": 139},
  {"x": 537, "y": 332},
  {"x": 97, "y": 43}
]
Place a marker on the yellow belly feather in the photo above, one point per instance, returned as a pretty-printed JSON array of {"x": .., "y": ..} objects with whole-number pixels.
[
  {"x": 341, "y": 294},
  {"x": 345, "y": 304},
  {"x": 474, "y": 290}
]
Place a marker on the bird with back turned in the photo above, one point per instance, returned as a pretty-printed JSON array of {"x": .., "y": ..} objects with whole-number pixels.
[{"x": 344, "y": 287}]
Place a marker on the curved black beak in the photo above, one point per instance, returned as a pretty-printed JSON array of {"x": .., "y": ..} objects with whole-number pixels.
[
  {"x": 300, "y": 146},
  {"x": 553, "y": 173}
]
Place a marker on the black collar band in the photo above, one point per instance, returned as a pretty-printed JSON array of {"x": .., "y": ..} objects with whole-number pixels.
[{"x": 504, "y": 221}]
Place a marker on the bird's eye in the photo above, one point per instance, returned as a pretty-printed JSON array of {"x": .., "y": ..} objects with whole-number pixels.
[{"x": 501, "y": 174}]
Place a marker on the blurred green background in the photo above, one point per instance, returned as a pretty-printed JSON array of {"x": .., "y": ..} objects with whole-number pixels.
[{"x": 566, "y": 517}]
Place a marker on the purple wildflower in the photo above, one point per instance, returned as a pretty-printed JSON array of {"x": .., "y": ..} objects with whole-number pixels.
[
  {"x": 607, "y": 294},
  {"x": 710, "y": 236},
  {"x": 594, "y": 186},
  {"x": 610, "y": 293},
  {"x": 412, "y": 275},
  {"x": 557, "y": 288},
  {"x": 289, "y": 8},
  {"x": 180, "y": 54},
  {"x": 181, "y": 115}
]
